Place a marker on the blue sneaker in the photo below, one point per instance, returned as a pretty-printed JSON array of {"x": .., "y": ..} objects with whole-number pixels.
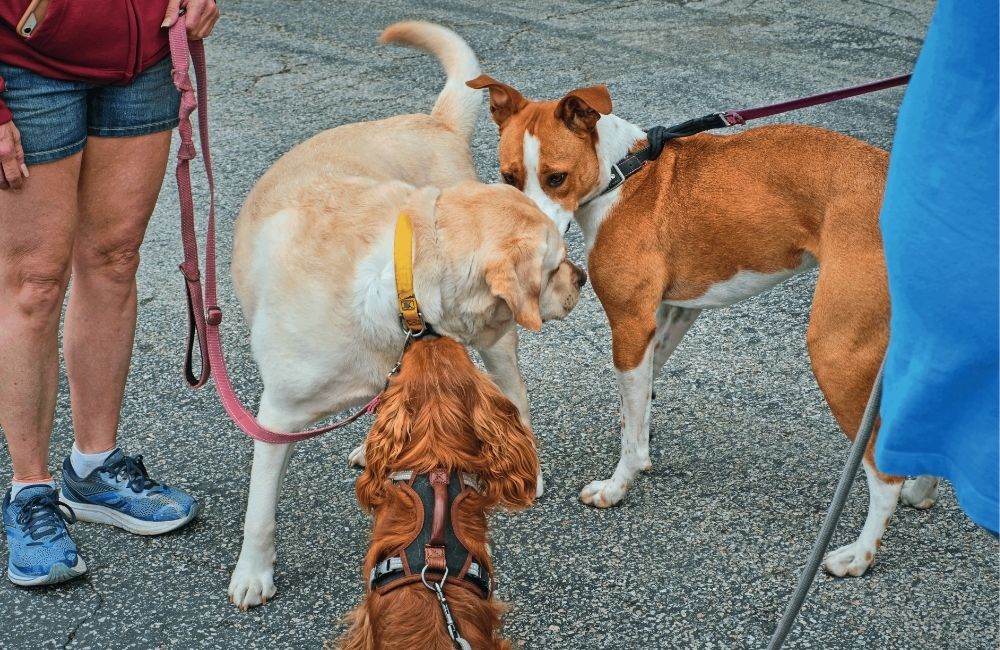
[
  {"x": 120, "y": 493},
  {"x": 40, "y": 550}
]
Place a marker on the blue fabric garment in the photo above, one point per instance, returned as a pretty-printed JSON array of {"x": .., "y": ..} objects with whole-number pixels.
[{"x": 939, "y": 223}]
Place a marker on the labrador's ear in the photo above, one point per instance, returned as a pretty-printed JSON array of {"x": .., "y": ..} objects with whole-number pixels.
[
  {"x": 516, "y": 278},
  {"x": 581, "y": 108},
  {"x": 505, "y": 102}
]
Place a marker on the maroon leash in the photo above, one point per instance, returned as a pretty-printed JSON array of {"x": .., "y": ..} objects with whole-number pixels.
[
  {"x": 204, "y": 322},
  {"x": 733, "y": 118},
  {"x": 659, "y": 135}
]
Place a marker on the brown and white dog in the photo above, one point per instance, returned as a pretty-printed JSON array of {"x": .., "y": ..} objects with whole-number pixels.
[
  {"x": 713, "y": 221},
  {"x": 313, "y": 270},
  {"x": 446, "y": 448}
]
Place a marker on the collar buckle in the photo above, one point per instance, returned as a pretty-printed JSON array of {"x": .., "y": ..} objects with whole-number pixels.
[{"x": 617, "y": 177}]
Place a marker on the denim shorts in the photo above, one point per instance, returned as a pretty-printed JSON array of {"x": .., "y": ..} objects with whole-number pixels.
[{"x": 55, "y": 116}]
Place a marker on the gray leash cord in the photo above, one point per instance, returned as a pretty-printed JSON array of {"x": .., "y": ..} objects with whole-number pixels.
[{"x": 833, "y": 514}]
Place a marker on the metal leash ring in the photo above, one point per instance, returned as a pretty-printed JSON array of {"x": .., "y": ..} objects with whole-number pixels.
[
  {"x": 432, "y": 587},
  {"x": 399, "y": 361},
  {"x": 449, "y": 620}
]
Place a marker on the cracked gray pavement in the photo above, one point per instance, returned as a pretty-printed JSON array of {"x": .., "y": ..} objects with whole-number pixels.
[{"x": 706, "y": 548}]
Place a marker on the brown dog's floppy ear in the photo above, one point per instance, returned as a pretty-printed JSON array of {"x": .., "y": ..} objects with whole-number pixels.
[
  {"x": 508, "y": 453},
  {"x": 581, "y": 108},
  {"x": 359, "y": 634},
  {"x": 383, "y": 445},
  {"x": 519, "y": 284},
  {"x": 504, "y": 100}
]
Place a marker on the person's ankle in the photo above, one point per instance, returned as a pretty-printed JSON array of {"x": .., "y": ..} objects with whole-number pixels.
[
  {"x": 16, "y": 485},
  {"x": 83, "y": 464}
]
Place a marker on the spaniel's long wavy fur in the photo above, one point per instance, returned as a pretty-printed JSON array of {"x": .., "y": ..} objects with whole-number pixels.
[{"x": 439, "y": 411}]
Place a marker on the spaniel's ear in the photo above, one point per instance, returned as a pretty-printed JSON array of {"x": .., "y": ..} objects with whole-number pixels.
[
  {"x": 383, "y": 445},
  {"x": 516, "y": 278},
  {"x": 505, "y": 102},
  {"x": 359, "y": 634},
  {"x": 509, "y": 458}
]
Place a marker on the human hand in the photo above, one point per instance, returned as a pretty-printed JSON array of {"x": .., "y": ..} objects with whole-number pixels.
[
  {"x": 13, "y": 171},
  {"x": 201, "y": 16}
]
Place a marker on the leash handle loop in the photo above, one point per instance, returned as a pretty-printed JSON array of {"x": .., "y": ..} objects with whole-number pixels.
[{"x": 203, "y": 325}]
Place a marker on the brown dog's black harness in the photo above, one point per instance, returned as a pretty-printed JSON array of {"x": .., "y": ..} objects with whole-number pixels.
[
  {"x": 437, "y": 547},
  {"x": 436, "y": 554}
]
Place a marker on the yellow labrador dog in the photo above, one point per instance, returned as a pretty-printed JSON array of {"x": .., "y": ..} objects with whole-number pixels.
[{"x": 313, "y": 270}]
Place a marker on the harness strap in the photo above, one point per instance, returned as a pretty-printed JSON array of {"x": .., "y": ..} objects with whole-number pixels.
[
  {"x": 434, "y": 550},
  {"x": 203, "y": 322},
  {"x": 469, "y": 480},
  {"x": 476, "y": 574}
]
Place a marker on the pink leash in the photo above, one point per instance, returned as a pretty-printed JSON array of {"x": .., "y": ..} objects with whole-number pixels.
[{"x": 204, "y": 322}]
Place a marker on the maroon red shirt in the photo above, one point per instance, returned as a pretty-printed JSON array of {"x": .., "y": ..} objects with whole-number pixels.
[{"x": 97, "y": 41}]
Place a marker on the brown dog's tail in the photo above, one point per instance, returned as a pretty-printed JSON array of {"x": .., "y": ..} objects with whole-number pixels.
[{"x": 457, "y": 107}]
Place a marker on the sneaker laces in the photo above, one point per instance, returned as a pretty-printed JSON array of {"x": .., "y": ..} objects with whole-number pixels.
[
  {"x": 132, "y": 469},
  {"x": 41, "y": 514}
]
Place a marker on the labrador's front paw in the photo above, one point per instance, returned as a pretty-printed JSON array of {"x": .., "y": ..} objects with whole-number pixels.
[{"x": 252, "y": 583}]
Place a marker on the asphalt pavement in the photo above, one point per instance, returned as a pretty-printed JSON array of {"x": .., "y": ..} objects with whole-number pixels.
[{"x": 705, "y": 550}]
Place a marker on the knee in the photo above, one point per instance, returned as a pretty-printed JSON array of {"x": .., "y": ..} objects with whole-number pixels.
[
  {"x": 115, "y": 262},
  {"x": 38, "y": 289}
]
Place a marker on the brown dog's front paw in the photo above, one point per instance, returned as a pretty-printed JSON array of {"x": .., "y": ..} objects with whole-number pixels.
[
  {"x": 851, "y": 560},
  {"x": 603, "y": 494}
]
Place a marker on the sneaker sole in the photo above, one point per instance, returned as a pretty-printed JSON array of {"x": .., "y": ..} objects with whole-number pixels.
[
  {"x": 59, "y": 573},
  {"x": 104, "y": 515}
]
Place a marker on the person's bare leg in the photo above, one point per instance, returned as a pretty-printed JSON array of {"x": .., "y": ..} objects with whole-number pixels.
[
  {"x": 37, "y": 226},
  {"x": 120, "y": 180}
]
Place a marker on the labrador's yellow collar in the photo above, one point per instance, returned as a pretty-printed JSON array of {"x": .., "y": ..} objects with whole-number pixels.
[{"x": 409, "y": 310}]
